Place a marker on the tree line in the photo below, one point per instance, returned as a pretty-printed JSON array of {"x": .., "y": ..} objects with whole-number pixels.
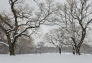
[{"x": 73, "y": 18}]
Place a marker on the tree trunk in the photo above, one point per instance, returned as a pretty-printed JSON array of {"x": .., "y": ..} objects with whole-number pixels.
[
  {"x": 11, "y": 49},
  {"x": 59, "y": 50},
  {"x": 77, "y": 50},
  {"x": 73, "y": 51}
]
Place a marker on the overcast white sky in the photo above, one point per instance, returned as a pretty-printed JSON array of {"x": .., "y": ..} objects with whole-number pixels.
[{"x": 4, "y": 3}]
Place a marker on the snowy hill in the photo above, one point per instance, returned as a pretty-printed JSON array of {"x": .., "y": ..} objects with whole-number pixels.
[{"x": 46, "y": 58}]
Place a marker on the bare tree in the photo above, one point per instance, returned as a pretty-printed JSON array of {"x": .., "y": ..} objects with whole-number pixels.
[
  {"x": 15, "y": 26},
  {"x": 57, "y": 38},
  {"x": 11, "y": 27},
  {"x": 76, "y": 17}
]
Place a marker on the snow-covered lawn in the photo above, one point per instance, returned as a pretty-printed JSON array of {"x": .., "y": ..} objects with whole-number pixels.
[{"x": 46, "y": 58}]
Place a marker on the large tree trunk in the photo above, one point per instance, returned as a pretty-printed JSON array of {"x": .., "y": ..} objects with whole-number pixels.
[
  {"x": 76, "y": 48},
  {"x": 11, "y": 49}
]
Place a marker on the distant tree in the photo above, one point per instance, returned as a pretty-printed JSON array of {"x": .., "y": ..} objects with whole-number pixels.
[
  {"x": 40, "y": 45},
  {"x": 24, "y": 43},
  {"x": 57, "y": 38}
]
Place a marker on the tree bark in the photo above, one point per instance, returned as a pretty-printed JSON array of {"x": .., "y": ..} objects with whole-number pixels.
[
  {"x": 73, "y": 51},
  {"x": 59, "y": 50},
  {"x": 77, "y": 50},
  {"x": 12, "y": 49}
]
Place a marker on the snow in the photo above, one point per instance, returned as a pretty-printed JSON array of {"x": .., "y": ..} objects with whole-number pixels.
[
  {"x": 4, "y": 43},
  {"x": 46, "y": 58}
]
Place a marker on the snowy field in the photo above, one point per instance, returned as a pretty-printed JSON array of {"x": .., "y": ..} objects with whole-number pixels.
[{"x": 46, "y": 58}]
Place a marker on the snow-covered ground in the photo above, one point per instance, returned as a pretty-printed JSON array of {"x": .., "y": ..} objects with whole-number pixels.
[{"x": 46, "y": 58}]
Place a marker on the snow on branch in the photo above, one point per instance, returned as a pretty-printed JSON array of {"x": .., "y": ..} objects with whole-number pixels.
[{"x": 1, "y": 42}]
